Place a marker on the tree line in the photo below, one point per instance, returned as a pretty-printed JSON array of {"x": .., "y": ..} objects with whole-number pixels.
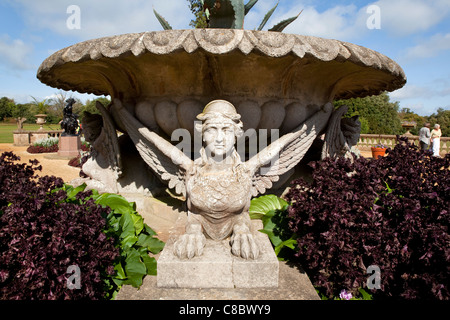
[
  {"x": 53, "y": 108},
  {"x": 377, "y": 114}
]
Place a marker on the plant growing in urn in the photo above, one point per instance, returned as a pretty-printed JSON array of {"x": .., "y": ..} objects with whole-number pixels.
[
  {"x": 229, "y": 14},
  {"x": 378, "y": 151}
]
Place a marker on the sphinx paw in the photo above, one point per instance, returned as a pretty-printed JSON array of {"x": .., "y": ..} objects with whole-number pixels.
[
  {"x": 189, "y": 245},
  {"x": 243, "y": 245}
]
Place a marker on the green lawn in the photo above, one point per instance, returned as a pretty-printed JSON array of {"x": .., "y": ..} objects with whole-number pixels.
[{"x": 6, "y": 130}]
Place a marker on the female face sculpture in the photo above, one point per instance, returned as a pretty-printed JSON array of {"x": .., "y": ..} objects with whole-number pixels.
[
  {"x": 219, "y": 139},
  {"x": 220, "y": 128}
]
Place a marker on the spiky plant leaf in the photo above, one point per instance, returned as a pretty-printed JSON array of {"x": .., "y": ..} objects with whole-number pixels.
[
  {"x": 267, "y": 17},
  {"x": 162, "y": 21},
  {"x": 249, "y": 5},
  {"x": 283, "y": 24},
  {"x": 238, "y": 7}
]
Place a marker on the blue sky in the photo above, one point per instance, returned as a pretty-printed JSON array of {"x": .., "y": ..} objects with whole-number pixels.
[{"x": 415, "y": 33}]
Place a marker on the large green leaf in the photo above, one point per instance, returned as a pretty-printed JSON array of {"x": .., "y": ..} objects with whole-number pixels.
[
  {"x": 138, "y": 222},
  {"x": 120, "y": 273},
  {"x": 72, "y": 191},
  {"x": 153, "y": 244},
  {"x": 238, "y": 7},
  {"x": 262, "y": 205},
  {"x": 127, "y": 224},
  {"x": 150, "y": 264},
  {"x": 272, "y": 211},
  {"x": 115, "y": 202},
  {"x": 290, "y": 243},
  {"x": 135, "y": 269}
]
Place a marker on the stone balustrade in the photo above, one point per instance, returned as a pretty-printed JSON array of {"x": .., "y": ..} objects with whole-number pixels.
[
  {"x": 28, "y": 137},
  {"x": 366, "y": 141}
]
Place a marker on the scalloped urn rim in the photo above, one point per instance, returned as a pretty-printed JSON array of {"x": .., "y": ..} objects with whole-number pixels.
[{"x": 111, "y": 65}]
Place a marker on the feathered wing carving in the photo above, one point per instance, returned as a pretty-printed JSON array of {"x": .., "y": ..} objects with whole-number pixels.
[
  {"x": 100, "y": 131},
  {"x": 167, "y": 161},
  {"x": 283, "y": 154},
  {"x": 110, "y": 140},
  {"x": 341, "y": 134}
]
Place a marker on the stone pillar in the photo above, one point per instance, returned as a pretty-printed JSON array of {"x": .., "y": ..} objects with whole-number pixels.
[{"x": 69, "y": 146}]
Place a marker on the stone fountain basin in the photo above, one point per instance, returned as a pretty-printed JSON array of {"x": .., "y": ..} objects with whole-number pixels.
[{"x": 275, "y": 80}]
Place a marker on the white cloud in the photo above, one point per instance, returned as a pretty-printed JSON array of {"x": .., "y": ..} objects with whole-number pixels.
[
  {"x": 410, "y": 91},
  {"x": 339, "y": 22},
  {"x": 14, "y": 53},
  {"x": 405, "y": 17},
  {"x": 103, "y": 17},
  {"x": 430, "y": 48}
]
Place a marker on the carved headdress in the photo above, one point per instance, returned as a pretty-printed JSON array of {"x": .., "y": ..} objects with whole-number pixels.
[{"x": 220, "y": 110}]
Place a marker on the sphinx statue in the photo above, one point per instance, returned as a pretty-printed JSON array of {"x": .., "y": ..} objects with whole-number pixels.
[{"x": 218, "y": 185}]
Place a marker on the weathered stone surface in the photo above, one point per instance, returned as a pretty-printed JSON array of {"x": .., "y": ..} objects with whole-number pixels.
[
  {"x": 218, "y": 185},
  {"x": 217, "y": 267},
  {"x": 293, "y": 285},
  {"x": 145, "y": 113},
  {"x": 167, "y": 217},
  {"x": 166, "y": 116},
  {"x": 21, "y": 138},
  {"x": 69, "y": 146},
  {"x": 222, "y": 63}
]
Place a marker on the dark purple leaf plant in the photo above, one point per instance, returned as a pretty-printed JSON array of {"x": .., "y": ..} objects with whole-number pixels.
[
  {"x": 61, "y": 242},
  {"x": 391, "y": 213}
]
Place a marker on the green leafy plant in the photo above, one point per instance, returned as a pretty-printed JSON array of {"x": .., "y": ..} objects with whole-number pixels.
[
  {"x": 134, "y": 239},
  {"x": 230, "y": 14},
  {"x": 273, "y": 212}
]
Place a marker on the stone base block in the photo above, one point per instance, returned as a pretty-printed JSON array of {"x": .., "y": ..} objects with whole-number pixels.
[
  {"x": 21, "y": 139},
  {"x": 217, "y": 267},
  {"x": 69, "y": 146}
]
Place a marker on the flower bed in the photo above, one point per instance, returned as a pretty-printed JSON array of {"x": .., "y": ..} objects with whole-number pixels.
[
  {"x": 60, "y": 242},
  {"x": 391, "y": 213},
  {"x": 50, "y": 145}
]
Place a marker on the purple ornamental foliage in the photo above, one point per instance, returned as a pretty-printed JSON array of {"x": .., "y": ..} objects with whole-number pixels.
[
  {"x": 392, "y": 212},
  {"x": 41, "y": 235}
]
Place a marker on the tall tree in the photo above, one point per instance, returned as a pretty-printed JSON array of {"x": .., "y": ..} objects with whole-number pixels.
[
  {"x": 441, "y": 117},
  {"x": 377, "y": 112},
  {"x": 196, "y": 6},
  {"x": 6, "y": 107}
]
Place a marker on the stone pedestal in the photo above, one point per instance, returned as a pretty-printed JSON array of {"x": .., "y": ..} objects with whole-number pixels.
[
  {"x": 69, "y": 146},
  {"x": 21, "y": 138},
  {"x": 217, "y": 267}
]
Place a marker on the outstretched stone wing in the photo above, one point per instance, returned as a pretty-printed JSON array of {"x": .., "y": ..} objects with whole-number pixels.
[
  {"x": 283, "y": 154},
  {"x": 341, "y": 134},
  {"x": 167, "y": 161},
  {"x": 100, "y": 131}
]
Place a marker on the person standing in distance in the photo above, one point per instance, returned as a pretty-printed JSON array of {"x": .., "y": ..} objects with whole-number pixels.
[
  {"x": 424, "y": 136},
  {"x": 436, "y": 138}
]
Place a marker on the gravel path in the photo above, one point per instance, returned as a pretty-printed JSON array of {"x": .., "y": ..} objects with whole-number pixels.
[{"x": 50, "y": 167}]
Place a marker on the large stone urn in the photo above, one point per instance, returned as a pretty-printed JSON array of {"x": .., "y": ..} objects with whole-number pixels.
[
  {"x": 277, "y": 87},
  {"x": 40, "y": 120},
  {"x": 165, "y": 78}
]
